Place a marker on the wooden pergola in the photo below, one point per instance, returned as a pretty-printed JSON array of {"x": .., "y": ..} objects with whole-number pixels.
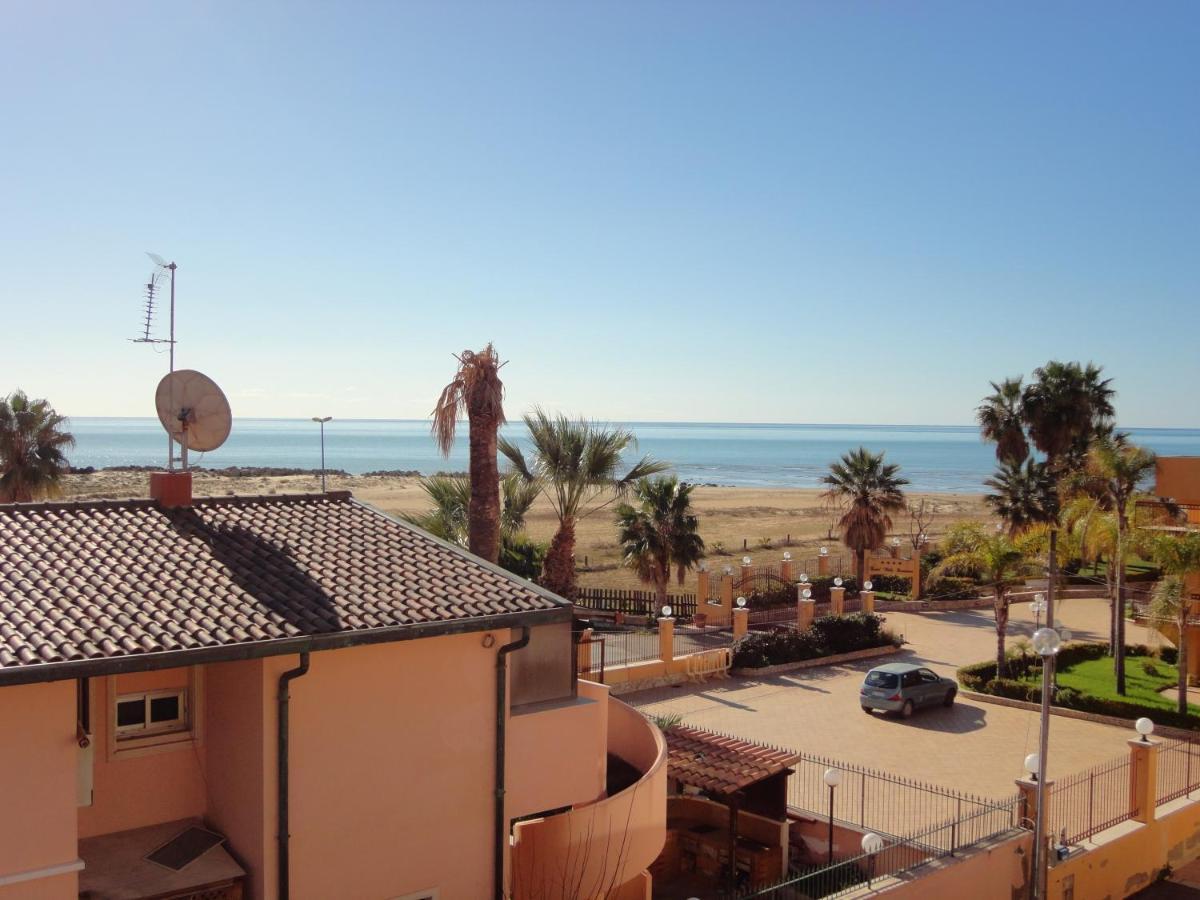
[{"x": 740, "y": 774}]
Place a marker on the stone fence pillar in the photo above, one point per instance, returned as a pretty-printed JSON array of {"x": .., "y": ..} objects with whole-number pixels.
[
  {"x": 822, "y": 565},
  {"x": 583, "y": 651},
  {"x": 703, "y": 583},
  {"x": 837, "y": 601},
  {"x": 785, "y": 570},
  {"x": 1143, "y": 778},
  {"x": 741, "y": 622},
  {"x": 806, "y": 611},
  {"x": 666, "y": 639},
  {"x": 868, "y": 601}
]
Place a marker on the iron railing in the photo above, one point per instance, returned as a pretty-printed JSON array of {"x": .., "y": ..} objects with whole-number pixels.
[
  {"x": 899, "y": 854},
  {"x": 1178, "y": 770},
  {"x": 1088, "y": 802},
  {"x": 880, "y": 801},
  {"x": 621, "y": 648}
]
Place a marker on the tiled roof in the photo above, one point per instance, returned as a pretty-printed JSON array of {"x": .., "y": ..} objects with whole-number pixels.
[
  {"x": 110, "y": 579},
  {"x": 718, "y": 763}
]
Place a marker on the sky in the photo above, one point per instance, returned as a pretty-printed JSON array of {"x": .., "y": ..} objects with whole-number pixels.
[{"x": 658, "y": 211}]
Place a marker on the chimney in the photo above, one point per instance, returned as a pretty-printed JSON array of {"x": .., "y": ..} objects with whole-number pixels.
[{"x": 171, "y": 489}]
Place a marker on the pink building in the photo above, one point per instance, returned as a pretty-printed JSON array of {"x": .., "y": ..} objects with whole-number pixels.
[{"x": 356, "y": 708}]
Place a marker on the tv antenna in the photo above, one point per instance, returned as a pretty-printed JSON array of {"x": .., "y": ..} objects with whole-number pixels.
[
  {"x": 194, "y": 411},
  {"x": 162, "y": 269}
]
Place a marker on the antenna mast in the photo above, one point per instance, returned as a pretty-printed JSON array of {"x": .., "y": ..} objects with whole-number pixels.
[{"x": 161, "y": 269}]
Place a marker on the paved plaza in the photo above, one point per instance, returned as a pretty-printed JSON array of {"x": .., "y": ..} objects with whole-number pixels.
[{"x": 975, "y": 747}]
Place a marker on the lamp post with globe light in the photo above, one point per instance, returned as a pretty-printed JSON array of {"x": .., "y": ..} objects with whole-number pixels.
[
  {"x": 832, "y": 778},
  {"x": 321, "y": 420},
  {"x": 1046, "y": 643}
]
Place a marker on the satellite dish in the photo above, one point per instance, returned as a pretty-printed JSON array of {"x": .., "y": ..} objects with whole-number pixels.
[{"x": 193, "y": 410}]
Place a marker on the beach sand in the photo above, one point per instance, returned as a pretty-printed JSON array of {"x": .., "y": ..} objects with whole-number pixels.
[{"x": 730, "y": 517}]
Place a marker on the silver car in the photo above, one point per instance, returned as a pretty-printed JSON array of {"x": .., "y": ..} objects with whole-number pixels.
[{"x": 902, "y": 687}]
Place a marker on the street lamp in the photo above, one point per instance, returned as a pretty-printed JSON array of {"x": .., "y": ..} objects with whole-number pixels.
[
  {"x": 832, "y": 777},
  {"x": 322, "y": 420},
  {"x": 1046, "y": 642},
  {"x": 1038, "y": 606},
  {"x": 871, "y": 844}
]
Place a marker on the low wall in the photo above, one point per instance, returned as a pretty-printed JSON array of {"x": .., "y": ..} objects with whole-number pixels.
[
  {"x": 931, "y": 605},
  {"x": 1117, "y": 721},
  {"x": 991, "y": 870},
  {"x": 1133, "y": 860},
  {"x": 853, "y": 656}
]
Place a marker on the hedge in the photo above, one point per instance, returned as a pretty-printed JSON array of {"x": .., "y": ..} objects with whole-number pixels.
[
  {"x": 827, "y": 636},
  {"x": 981, "y": 677}
]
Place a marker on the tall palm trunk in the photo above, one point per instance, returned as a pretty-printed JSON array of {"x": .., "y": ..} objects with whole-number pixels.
[
  {"x": 1182, "y": 659},
  {"x": 1110, "y": 585},
  {"x": 483, "y": 513},
  {"x": 1119, "y": 655},
  {"x": 558, "y": 569},
  {"x": 1001, "y": 609},
  {"x": 860, "y": 567}
]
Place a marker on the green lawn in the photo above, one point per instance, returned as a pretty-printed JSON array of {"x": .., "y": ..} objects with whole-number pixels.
[
  {"x": 1095, "y": 677},
  {"x": 1133, "y": 567}
]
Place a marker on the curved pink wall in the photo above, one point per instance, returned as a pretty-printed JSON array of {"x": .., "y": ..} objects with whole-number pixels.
[{"x": 594, "y": 850}]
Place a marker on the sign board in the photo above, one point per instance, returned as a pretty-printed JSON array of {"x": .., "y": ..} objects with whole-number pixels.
[{"x": 895, "y": 565}]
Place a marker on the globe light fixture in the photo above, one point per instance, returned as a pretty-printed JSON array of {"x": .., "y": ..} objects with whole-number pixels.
[
  {"x": 832, "y": 778},
  {"x": 868, "y": 585},
  {"x": 824, "y": 551},
  {"x": 1031, "y": 764},
  {"x": 804, "y": 576},
  {"x": 666, "y": 611},
  {"x": 871, "y": 842},
  {"x": 1065, "y": 634},
  {"x": 895, "y": 542},
  {"x": 1144, "y": 727},
  {"x": 806, "y": 594},
  {"x": 837, "y": 582},
  {"x": 787, "y": 555},
  {"x": 728, "y": 570},
  {"x": 745, "y": 560},
  {"x": 702, "y": 567},
  {"x": 922, "y": 538},
  {"x": 741, "y": 602},
  {"x": 1046, "y": 642}
]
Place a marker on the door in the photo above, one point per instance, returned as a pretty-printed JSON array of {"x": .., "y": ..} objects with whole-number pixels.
[{"x": 932, "y": 690}]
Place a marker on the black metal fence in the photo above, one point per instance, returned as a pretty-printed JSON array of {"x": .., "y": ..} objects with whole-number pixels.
[
  {"x": 889, "y": 804},
  {"x": 898, "y": 854},
  {"x": 1088, "y": 802},
  {"x": 1178, "y": 770}
]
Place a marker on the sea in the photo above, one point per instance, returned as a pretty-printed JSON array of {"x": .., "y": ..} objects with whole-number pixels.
[{"x": 936, "y": 458}]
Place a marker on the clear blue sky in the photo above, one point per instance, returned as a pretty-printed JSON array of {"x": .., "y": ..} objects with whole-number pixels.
[{"x": 804, "y": 212}]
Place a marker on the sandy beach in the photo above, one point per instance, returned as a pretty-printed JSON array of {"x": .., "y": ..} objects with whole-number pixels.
[{"x": 730, "y": 517}]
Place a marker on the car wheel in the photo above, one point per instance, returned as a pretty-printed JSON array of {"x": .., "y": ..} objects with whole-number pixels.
[
  {"x": 907, "y": 709},
  {"x": 948, "y": 701},
  {"x": 867, "y": 710}
]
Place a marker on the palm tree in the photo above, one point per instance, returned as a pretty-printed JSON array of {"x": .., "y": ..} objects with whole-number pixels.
[
  {"x": 1000, "y": 421},
  {"x": 478, "y": 391},
  {"x": 997, "y": 558},
  {"x": 1118, "y": 470},
  {"x": 575, "y": 463},
  {"x": 32, "y": 444},
  {"x": 449, "y": 518},
  {"x": 1178, "y": 556},
  {"x": 871, "y": 490},
  {"x": 660, "y": 533},
  {"x": 1064, "y": 407},
  {"x": 1024, "y": 495}
]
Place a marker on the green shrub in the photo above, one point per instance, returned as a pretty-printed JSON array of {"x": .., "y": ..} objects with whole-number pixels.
[
  {"x": 522, "y": 555},
  {"x": 892, "y": 584},
  {"x": 1023, "y": 682},
  {"x": 1150, "y": 668},
  {"x": 827, "y": 636},
  {"x": 950, "y": 587},
  {"x": 822, "y": 583}
]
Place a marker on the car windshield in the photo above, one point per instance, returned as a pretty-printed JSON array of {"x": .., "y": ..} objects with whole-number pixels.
[{"x": 882, "y": 679}]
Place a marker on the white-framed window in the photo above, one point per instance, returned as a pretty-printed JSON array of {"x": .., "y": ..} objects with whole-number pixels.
[{"x": 151, "y": 712}]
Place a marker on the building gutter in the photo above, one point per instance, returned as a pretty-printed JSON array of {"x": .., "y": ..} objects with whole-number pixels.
[
  {"x": 337, "y": 640},
  {"x": 501, "y": 837},
  {"x": 282, "y": 770}
]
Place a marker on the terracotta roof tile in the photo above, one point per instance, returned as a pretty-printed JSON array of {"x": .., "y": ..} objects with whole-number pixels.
[
  {"x": 105, "y": 579},
  {"x": 719, "y": 763}
]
